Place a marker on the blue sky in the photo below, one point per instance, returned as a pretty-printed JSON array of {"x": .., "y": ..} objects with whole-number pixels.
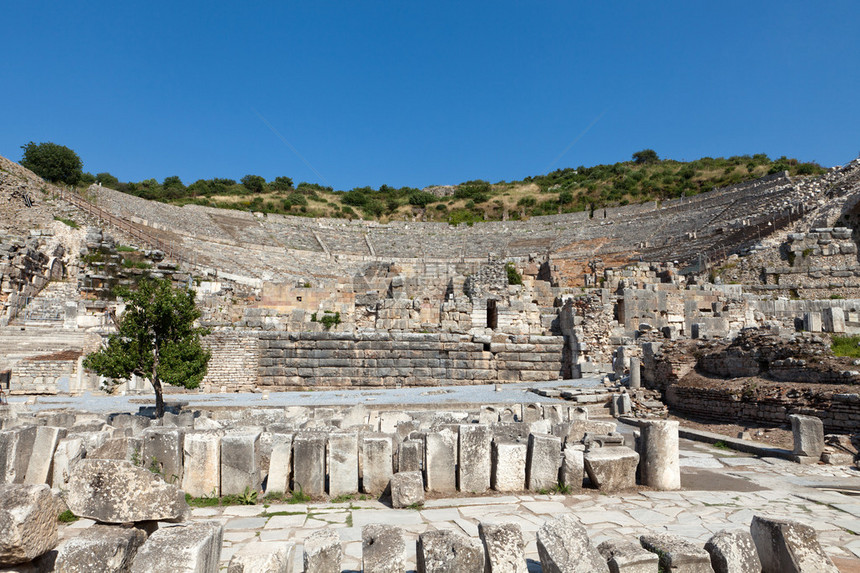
[{"x": 419, "y": 93}]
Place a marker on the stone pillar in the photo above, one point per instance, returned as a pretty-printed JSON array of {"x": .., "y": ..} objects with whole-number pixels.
[
  {"x": 309, "y": 463},
  {"x": 377, "y": 464},
  {"x": 410, "y": 456},
  {"x": 280, "y": 463},
  {"x": 659, "y": 455},
  {"x": 833, "y": 320},
  {"x": 474, "y": 471},
  {"x": 39, "y": 464},
  {"x": 808, "y": 432},
  {"x": 239, "y": 469},
  {"x": 509, "y": 466},
  {"x": 572, "y": 469},
  {"x": 440, "y": 461},
  {"x": 635, "y": 375},
  {"x": 544, "y": 458},
  {"x": 202, "y": 472},
  {"x": 621, "y": 405},
  {"x": 342, "y": 463}
]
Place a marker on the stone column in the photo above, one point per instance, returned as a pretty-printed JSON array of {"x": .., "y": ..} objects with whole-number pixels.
[
  {"x": 635, "y": 379},
  {"x": 659, "y": 454},
  {"x": 475, "y": 457},
  {"x": 309, "y": 463},
  {"x": 440, "y": 461},
  {"x": 377, "y": 464},
  {"x": 342, "y": 463},
  {"x": 808, "y": 432}
]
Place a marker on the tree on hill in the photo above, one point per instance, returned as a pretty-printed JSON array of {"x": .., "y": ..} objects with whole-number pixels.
[
  {"x": 254, "y": 183},
  {"x": 281, "y": 184},
  {"x": 56, "y": 163},
  {"x": 646, "y": 156},
  {"x": 156, "y": 340}
]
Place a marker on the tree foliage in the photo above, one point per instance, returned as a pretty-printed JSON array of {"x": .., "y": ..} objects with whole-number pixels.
[
  {"x": 646, "y": 156},
  {"x": 254, "y": 183},
  {"x": 56, "y": 163},
  {"x": 156, "y": 340}
]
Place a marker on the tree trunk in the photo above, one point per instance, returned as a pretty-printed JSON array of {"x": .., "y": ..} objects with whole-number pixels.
[{"x": 159, "y": 398}]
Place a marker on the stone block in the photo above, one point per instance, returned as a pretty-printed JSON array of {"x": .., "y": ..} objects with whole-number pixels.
[
  {"x": 382, "y": 549},
  {"x": 440, "y": 460},
  {"x": 162, "y": 451},
  {"x": 611, "y": 469},
  {"x": 733, "y": 552},
  {"x": 449, "y": 552},
  {"x": 407, "y": 489},
  {"x": 239, "y": 469},
  {"x": 202, "y": 456},
  {"x": 572, "y": 469},
  {"x": 635, "y": 380},
  {"x": 410, "y": 456},
  {"x": 263, "y": 557},
  {"x": 833, "y": 320},
  {"x": 68, "y": 453},
  {"x": 788, "y": 547},
  {"x": 475, "y": 463},
  {"x": 182, "y": 548},
  {"x": 509, "y": 465},
  {"x": 676, "y": 554},
  {"x": 280, "y": 463},
  {"x": 621, "y": 405},
  {"x": 808, "y": 433},
  {"x": 309, "y": 463},
  {"x": 101, "y": 548},
  {"x": 322, "y": 552},
  {"x": 628, "y": 557},
  {"x": 812, "y": 321},
  {"x": 543, "y": 462},
  {"x": 39, "y": 463},
  {"x": 564, "y": 547},
  {"x": 136, "y": 424},
  {"x": 342, "y": 463},
  {"x": 532, "y": 413},
  {"x": 116, "y": 491},
  {"x": 377, "y": 463},
  {"x": 660, "y": 457},
  {"x": 504, "y": 550},
  {"x": 28, "y": 522}
]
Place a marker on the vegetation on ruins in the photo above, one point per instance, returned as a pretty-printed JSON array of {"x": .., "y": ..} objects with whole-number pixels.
[
  {"x": 156, "y": 339},
  {"x": 845, "y": 346},
  {"x": 514, "y": 276},
  {"x": 56, "y": 163},
  {"x": 646, "y": 177}
]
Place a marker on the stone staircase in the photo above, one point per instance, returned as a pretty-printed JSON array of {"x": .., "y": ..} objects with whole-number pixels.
[{"x": 48, "y": 307}]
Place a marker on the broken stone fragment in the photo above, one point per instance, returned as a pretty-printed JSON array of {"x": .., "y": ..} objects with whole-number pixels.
[
  {"x": 116, "y": 491},
  {"x": 503, "y": 548},
  {"x": 181, "y": 548},
  {"x": 382, "y": 549},
  {"x": 28, "y": 522},
  {"x": 733, "y": 552},
  {"x": 323, "y": 553},
  {"x": 612, "y": 469},
  {"x": 788, "y": 547},
  {"x": 676, "y": 554},
  {"x": 449, "y": 552},
  {"x": 628, "y": 557},
  {"x": 407, "y": 489},
  {"x": 564, "y": 547},
  {"x": 268, "y": 556},
  {"x": 102, "y": 548}
]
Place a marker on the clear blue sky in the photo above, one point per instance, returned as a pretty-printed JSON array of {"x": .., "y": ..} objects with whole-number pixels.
[{"x": 421, "y": 93}]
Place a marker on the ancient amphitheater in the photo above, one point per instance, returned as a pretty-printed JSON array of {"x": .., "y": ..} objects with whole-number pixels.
[{"x": 403, "y": 406}]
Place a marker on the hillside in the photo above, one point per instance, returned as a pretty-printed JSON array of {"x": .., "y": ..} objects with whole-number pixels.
[{"x": 562, "y": 191}]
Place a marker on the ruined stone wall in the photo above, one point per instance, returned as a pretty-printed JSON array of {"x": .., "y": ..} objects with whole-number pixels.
[
  {"x": 234, "y": 363},
  {"x": 44, "y": 374}
]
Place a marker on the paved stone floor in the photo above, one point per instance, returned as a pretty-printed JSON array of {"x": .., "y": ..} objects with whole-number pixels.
[{"x": 721, "y": 490}]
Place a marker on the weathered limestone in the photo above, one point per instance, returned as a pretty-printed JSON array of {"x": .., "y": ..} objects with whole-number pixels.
[
  {"x": 544, "y": 460},
  {"x": 280, "y": 463},
  {"x": 621, "y": 404},
  {"x": 263, "y": 556},
  {"x": 628, "y": 557},
  {"x": 676, "y": 554},
  {"x": 382, "y": 549},
  {"x": 509, "y": 465},
  {"x": 788, "y": 547},
  {"x": 503, "y": 548},
  {"x": 28, "y": 522},
  {"x": 309, "y": 463},
  {"x": 202, "y": 473},
  {"x": 407, "y": 489},
  {"x": 572, "y": 469},
  {"x": 100, "y": 548},
  {"x": 239, "y": 469},
  {"x": 440, "y": 460},
  {"x": 808, "y": 433},
  {"x": 410, "y": 456},
  {"x": 115, "y": 491},
  {"x": 137, "y": 424},
  {"x": 612, "y": 469},
  {"x": 342, "y": 463},
  {"x": 377, "y": 462},
  {"x": 475, "y": 440},
  {"x": 68, "y": 453},
  {"x": 532, "y": 413},
  {"x": 635, "y": 373},
  {"x": 564, "y": 547},
  {"x": 833, "y": 320},
  {"x": 733, "y": 552},
  {"x": 812, "y": 322},
  {"x": 128, "y": 449},
  {"x": 162, "y": 452},
  {"x": 182, "y": 548},
  {"x": 39, "y": 463},
  {"x": 449, "y": 552},
  {"x": 323, "y": 553},
  {"x": 660, "y": 458}
]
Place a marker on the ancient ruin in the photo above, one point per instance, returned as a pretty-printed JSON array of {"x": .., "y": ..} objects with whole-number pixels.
[{"x": 508, "y": 396}]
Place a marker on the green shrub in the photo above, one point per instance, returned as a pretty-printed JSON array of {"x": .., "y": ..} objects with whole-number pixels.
[
  {"x": 68, "y": 222},
  {"x": 67, "y": 517},
  {"x": 514, "y": 276},
  {"x": 845, "y": 346},
  {"x": 53, "y": 162}
]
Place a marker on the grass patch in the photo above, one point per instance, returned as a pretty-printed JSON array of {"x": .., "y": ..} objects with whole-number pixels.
[
  {"x": 131, "y": 264},
  {"x": 274, "y": 513},
  {"x": 67, "y": 517},
  {"x": 67, "y": 222},
  {"x": 721, "y": 445},
  {"x": 125, "y": 249},
  {"x": 204, "y": 501},
  {"x": 343, "y": 498},
  {"x": 846, "y": 346}
]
